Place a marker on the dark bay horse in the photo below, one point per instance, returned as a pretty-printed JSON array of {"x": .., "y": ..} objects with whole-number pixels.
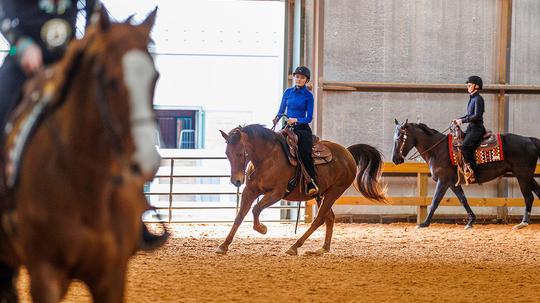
[
  {"x": 74, "y": 211},
  {"x": 270, "y": 172},
  {"x": 520, "y": 157}
]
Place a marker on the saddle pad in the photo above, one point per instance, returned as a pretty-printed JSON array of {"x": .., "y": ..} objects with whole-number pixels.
[
  {"x": 320, "y": 153},
  {"x": 490, "y": 150},
  {"x": 39, "y": 95}
]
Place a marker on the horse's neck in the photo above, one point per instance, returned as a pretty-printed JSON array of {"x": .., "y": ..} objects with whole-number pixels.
[
  {"x": 79, "y": 120},
  {"x": 429, "y": 145},
  {"x": 260, "y": 152}
]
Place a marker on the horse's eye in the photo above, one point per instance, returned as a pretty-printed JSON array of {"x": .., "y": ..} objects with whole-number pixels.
[{"x": 112, "y": 83}]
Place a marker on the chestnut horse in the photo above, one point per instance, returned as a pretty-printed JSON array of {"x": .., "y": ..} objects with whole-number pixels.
[
  {"x": 74, "y": 210},
  {"x": 270, "y": 173}
]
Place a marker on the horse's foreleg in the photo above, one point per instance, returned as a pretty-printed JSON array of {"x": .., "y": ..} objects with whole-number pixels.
[
  {"x": 440, "y": 190},
  {"x": 109, "y": 287},
  {"x": 248, "y": 196},
  {"x": 48, "y": 285},
  {"x": 267, "y": 200},
  {"x": 322, "y": 214},
  {"x": 458, "y": 190},
  {"x": 8, "y": 292},
  {"x": 526, "y": 185}
]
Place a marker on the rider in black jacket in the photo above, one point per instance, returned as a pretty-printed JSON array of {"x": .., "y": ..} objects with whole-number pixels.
[
  {"x": 475, "y": 130},
  {"x": 38, "y": 32}
]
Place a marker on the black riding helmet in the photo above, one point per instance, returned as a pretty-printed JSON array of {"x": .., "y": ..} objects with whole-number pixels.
[
  {"x": 475, "y": 80},
  {"x": 302, "y": 70}
]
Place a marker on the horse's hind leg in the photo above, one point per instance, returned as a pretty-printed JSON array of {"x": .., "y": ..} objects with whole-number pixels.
[
  {"x": 48, "y": 285},
  {"x": 329, "y": 224},
  {"x": 536, "y": 188},
  {"x": 458, "y": 190},
  {"x": 248, "y": 196},
  {"x": 326, "y": 207},
  {"x": 267, "y": 200},
  {"x": 526, "y": 184},
  {"x": 8, "y": 292}
]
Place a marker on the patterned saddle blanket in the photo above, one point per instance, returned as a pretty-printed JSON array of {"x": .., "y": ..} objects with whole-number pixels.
[{"x": 489, "y": 150}]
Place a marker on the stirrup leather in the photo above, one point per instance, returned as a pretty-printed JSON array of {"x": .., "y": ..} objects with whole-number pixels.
[{"x": 467, "y": 172}]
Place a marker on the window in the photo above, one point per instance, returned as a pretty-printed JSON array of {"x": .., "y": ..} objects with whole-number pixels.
[{"x": 178, "y": 128}]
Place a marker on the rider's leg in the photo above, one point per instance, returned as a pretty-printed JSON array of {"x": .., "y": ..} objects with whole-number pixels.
[
  {"x": 305, "y": 144},
  {"x": 472, "y": 138},
  {"x": 11, "y": 81}
]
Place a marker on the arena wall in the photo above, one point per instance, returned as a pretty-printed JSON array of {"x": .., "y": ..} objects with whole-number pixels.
[{"x": 421, "y": 42}]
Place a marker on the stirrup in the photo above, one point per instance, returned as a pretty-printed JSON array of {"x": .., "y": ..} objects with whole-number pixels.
[{"x": 313, "y": 189}]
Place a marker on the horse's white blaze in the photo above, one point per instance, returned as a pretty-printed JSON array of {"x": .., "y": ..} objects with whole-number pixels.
[{"x": 139, "y": 74}]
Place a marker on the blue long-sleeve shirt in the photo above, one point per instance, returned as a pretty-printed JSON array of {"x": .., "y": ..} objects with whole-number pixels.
[
  {"x": 475, "y": 110},
  {"x": 298, "y": 101}
]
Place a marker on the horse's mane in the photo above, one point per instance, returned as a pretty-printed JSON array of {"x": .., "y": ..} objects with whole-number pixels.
[
  {"x": 259, "y": 131},
  {"x": 426, "y": 129},
  {"x": 253, "y": 131}
]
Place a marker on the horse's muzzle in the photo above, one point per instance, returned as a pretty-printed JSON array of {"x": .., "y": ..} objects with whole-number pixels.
[
  {"x": 236, "y": 183},
  {"x": 398, "y": 160}
]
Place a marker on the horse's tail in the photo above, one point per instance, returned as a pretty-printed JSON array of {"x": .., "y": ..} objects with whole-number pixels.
[
  {"x": 368, "y": 175},
  {"x": 536, "y": 143}
]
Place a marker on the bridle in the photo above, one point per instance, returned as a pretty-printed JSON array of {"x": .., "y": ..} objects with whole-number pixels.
[
  {"x": 417, "y": 154},
  {"x": 245, "y": 155}
]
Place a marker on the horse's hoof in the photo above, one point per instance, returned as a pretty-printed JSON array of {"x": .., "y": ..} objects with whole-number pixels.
[
  {"x": 521, "y": 225},
  {"x": 422, "y": 225},
  {"x": 468, "y": 226},
  {"x": 292, "y": 251},
  {"x": 261, "y": 228},
  {"x": 221, "y": 250},
  {"x": 318, "y": 252}
]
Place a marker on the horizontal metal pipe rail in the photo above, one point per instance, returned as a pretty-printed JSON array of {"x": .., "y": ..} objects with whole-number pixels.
[{"x": 182, "y": 155}]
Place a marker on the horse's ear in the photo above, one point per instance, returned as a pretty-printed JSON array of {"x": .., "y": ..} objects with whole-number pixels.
[
  {"x": 224, "y": 135},
  {"x": 128, "y": 19},
  {"x": 104, "y": 22},
  {"x": 396, "y": 121},
  {"x": 149, "y": 22},
  {"x": 406, "y": 121}
]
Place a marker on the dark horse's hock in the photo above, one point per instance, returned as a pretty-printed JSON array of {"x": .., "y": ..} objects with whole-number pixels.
[{"x": 520, "y": 157}]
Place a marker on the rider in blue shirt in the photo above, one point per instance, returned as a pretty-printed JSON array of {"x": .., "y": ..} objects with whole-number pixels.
[{"x": 297, "y": 103}]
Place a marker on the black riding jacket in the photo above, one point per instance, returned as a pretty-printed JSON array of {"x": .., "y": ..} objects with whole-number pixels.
[
  {"x": 28, "y": 19},
  {"x": 475, "y": 111}
]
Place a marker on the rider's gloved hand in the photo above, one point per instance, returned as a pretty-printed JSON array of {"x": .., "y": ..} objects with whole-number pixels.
[
  {"x": 292, "y": 121},
  {"x": 275, "y": 120},
  {"x": 30, "y": 56},
  {"x": 457, "y": 122}
]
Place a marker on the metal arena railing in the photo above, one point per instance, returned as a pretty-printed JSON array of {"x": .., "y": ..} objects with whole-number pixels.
[{"x": 192, "y": 186}]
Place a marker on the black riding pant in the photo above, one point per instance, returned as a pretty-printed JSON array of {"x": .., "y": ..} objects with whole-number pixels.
[
  {"x": 305, "y": 144},
  {"x": 12, "y": 79},
  {"x": 473, "y": 136}
]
